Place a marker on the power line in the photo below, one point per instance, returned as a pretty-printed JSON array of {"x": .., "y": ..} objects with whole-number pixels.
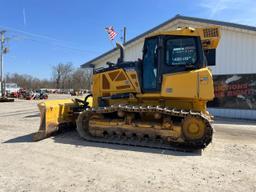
[
  {"x": 36, "y": 37},
  {"x": 62, "y": 46},
  {"x": 31, "y": 34}
]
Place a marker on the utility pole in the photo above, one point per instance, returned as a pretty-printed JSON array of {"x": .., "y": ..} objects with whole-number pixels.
[
  {"x": 1, "y": 61},
  {"x": 3, "y": 50}
]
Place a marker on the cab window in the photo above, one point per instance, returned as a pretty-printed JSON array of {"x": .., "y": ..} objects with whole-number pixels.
[
  {"x": 150, "y": 64},
  {"x": 181, "y": 51}
]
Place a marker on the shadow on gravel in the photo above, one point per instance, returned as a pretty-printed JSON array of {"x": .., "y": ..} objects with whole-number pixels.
[
  {"x": 34, "y": 115},
  {"x": 21, "y": 139},
  {"x": 72, "y": 138}
]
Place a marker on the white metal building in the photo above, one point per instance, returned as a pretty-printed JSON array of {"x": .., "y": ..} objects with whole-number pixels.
[{"x": 235, "y": 55}]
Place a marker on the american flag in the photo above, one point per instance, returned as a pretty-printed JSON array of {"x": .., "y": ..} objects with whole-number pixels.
[{"x": 111, "y": 32}]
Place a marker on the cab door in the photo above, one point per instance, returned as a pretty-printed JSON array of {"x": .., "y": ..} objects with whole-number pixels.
[{"x": 150, "y": 70}]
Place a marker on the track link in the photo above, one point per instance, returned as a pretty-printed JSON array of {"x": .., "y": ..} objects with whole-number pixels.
[{"x": 187, "y": 146}]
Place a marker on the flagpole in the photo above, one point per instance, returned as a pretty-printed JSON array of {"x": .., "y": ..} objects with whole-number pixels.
[{"x": 111, "y": 41}]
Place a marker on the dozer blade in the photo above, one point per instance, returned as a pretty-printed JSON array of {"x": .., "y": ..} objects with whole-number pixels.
[{"x": 55, "y": 114}]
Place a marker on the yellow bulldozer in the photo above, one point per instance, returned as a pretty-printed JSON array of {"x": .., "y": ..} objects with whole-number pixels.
[{"x": 158, "y": 101}]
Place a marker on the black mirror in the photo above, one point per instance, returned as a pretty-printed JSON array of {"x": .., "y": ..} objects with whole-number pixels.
[
  {"x": 210, "y": 55},
  {"x": 145, "y": 50}
]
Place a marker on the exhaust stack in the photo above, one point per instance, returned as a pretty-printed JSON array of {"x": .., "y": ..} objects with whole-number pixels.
[{"x": 121, "y": 48}]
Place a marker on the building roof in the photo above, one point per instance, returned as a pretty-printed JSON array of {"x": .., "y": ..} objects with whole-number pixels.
[{"x": 195, "y": 19}]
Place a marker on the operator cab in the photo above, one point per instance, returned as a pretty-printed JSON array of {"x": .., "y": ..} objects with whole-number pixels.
[{"x": 164, "y": 54}]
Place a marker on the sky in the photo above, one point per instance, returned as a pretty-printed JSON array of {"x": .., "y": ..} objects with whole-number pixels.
[{"x": 43, "y": 33}]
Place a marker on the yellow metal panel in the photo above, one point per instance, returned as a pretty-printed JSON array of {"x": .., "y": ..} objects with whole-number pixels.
[
  {"x": 120, "y": 84},
  {"x": 206, "y": 90},
  {"x": 196, "y": 85},
  {"x": 180, "y": 85},
  {"x": 209, "y": 36},
  {"x": 96, "y": 87},
  {"x": 134, "y": 79},
  {"x": 118, "y": 81},
  {"x": 149, "y": 95}
]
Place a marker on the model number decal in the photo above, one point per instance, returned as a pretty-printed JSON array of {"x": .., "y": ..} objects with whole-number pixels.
[{"x": 168, "y": 90}]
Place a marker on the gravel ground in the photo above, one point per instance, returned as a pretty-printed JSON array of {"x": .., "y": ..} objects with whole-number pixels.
[{"x": 68, "y": 163}]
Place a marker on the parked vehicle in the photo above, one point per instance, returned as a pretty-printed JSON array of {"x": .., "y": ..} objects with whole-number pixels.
[
  {"x": 40, "y": 94},
  {"x": 12, "y": 89}
]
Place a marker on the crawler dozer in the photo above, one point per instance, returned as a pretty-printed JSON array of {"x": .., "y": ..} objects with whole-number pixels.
[{"x": 158, "y": 101}]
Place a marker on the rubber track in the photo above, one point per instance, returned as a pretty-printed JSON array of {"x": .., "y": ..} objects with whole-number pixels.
[{"x": 188, "y": 146}]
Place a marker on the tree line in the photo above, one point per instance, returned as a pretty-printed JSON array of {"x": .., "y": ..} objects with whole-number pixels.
[{"x": 64, "y": 76}]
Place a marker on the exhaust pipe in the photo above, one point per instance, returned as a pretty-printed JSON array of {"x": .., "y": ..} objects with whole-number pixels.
[{"x": 121, "y": 48}]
